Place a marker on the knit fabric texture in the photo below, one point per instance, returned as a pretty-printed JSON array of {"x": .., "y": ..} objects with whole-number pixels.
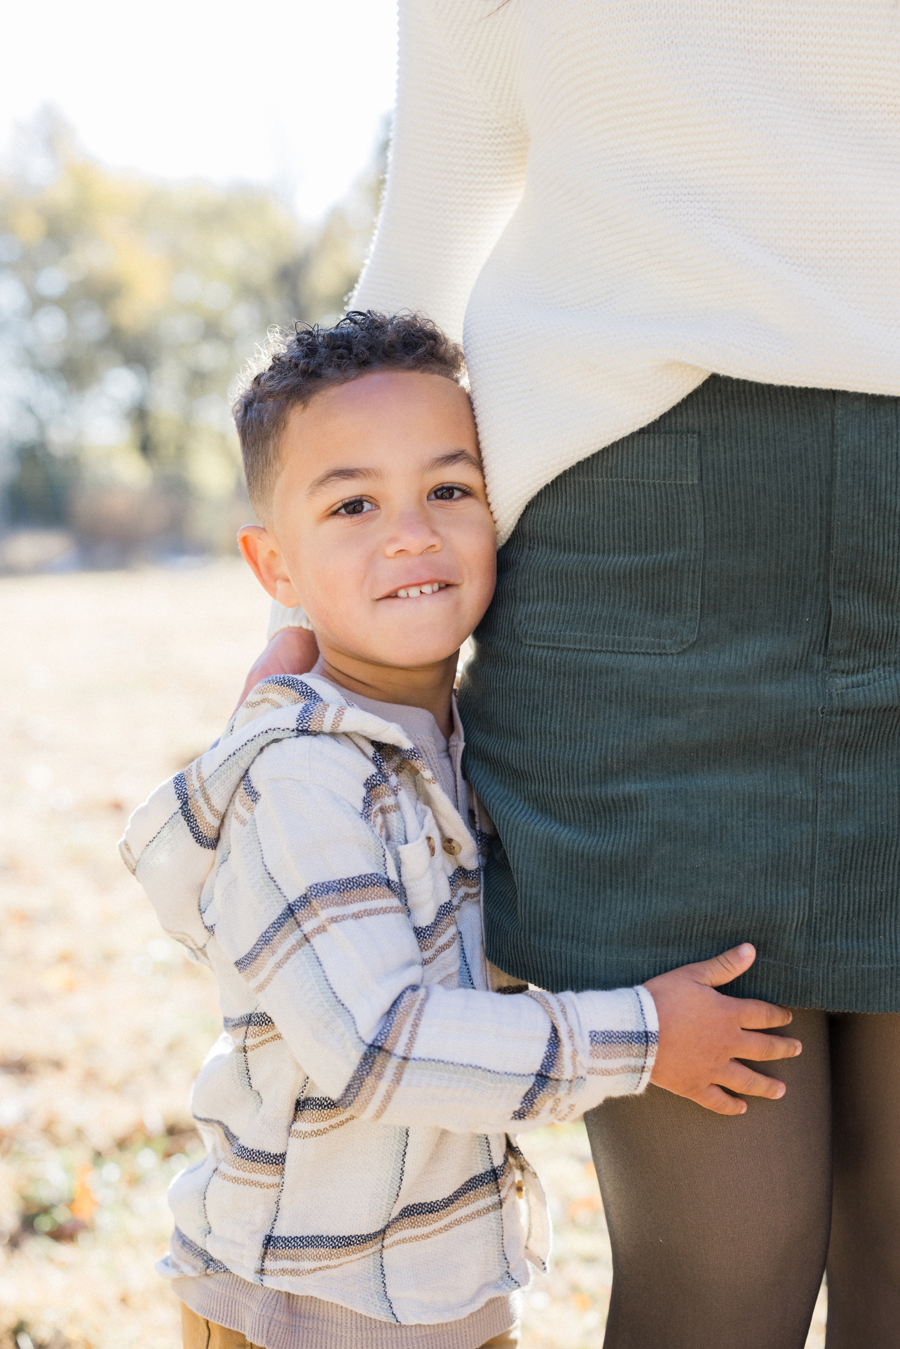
[
  {"x": 612, "y": 200},
  {"x": 356, "y": 1107},
  {"x": 271, "y": 1319}
]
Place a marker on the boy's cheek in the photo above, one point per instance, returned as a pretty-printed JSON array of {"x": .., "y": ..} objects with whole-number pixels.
[
  {"x": 319, "y": 577},
  {"x": 286, "y": 593},
  {"x": 334, "y": 605},
  {"x": 290, "y": 583},
  {"x": 487, "y": 574},
  {"x": 479, "y": 610}
]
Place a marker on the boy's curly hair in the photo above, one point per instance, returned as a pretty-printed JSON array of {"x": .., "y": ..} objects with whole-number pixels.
[{"x": 313, "y": 359}]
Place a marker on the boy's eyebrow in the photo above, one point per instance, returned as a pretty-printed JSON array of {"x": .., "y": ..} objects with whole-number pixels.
[
  {"x": 340, "y": 475},
  {"x": 350, "y": 474},
  {"x": 456, "y": 457}
]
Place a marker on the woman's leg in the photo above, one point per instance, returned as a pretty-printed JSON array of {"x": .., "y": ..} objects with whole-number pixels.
[
  {"x": 864, "y": 1255},
  {"x": 719, "y": 1226}
]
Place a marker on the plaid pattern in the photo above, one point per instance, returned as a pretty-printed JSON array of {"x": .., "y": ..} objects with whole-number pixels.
[{"x": 356, "y": 1106}]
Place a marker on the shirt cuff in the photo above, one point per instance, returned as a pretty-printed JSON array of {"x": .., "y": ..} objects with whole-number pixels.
[
  {"x": 621, "y": 1030},
  {"x": 281, "y": 617}
]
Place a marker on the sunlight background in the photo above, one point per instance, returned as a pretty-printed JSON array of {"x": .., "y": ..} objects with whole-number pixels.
[
  {"x": 289, "y": 95},
  {"x": 174, "y": 182}
]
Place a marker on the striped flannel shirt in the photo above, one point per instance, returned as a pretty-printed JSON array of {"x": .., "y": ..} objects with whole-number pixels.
[{"x": 358, "y": 1105}]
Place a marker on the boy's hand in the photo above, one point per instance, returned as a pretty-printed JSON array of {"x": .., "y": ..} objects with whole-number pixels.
[
  {"x": 291, "y": 651},
  {"x": 702, "y": 1034}
]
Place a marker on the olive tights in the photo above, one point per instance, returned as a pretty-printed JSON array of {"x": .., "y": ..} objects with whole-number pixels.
[{"x": 721, "y": 1226}]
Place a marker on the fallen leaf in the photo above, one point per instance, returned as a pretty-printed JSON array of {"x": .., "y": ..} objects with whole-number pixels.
[{"x": 84, "y": 1205}]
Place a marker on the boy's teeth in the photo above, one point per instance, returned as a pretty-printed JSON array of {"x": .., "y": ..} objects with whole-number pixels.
[{"x": 413, "y": 592}]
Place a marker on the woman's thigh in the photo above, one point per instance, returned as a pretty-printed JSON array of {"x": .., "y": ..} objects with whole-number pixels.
[
  {"x": 719, "y": 1226},
  {"x": 864, "y": 1255}
]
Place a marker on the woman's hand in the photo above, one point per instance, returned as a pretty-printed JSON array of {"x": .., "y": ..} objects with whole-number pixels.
[
  {"x": 703, "y": 1034},
  {"x": 291, "y": 651}
]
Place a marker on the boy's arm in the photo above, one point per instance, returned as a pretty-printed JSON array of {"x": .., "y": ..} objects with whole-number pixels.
[{"x": 307, "y": 911}]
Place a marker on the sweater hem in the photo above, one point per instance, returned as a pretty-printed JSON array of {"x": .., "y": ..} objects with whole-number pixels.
[{"x": 273, "y": 1319}]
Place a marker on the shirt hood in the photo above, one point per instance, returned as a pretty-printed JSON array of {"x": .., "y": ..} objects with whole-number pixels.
[{"x": 173, "y": 863}]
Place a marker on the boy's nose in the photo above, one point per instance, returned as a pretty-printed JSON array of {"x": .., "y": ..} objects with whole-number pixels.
[{"x": 412, "y": 533}]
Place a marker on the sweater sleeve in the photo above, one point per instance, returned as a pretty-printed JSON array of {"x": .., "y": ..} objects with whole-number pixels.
[
  {"x": 456, "y": 172},
  {"x": 281, "y": 617},
  {"x": 308, "y": 913},
  {"x": 457, "y": 163}
]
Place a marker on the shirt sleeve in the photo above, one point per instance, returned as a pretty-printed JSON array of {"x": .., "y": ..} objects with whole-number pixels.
[
  {"x": 280, "y": 616},
  {"x": 308, "y": 911},
  {"x": 456, "y": 168}
]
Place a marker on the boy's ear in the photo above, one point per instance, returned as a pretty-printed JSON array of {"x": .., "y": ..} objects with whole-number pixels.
[{"x": 263, "y": 556}]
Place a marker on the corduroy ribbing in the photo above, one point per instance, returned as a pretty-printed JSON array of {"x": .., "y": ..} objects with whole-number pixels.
[{"x": 684, "y": 710}]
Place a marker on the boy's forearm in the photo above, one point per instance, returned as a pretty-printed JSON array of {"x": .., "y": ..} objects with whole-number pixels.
[
  {"x": 459, "y": 1059},
  {"x": 337, "y": 965},
  {"x": 548, "y": 1062}
]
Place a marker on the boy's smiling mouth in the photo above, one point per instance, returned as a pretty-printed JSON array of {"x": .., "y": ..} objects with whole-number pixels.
[{"x": 413, "y": 592}]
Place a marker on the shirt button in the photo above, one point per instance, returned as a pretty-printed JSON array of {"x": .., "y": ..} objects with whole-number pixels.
[
  {"x": 431, "y": 848},
  {"x": 451, "y": 846}
]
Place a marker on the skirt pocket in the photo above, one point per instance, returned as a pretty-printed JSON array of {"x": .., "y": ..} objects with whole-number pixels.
[{"x": 617, "y": 563}]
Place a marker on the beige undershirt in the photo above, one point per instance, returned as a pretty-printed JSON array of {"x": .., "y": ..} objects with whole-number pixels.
[{"x": 443, "y": 756}]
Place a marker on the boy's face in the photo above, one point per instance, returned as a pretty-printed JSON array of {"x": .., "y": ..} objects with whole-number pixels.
[{"x": 379, "y": 524}]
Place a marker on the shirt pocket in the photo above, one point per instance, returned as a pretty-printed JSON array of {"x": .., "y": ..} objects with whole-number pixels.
[
  {"x": 424, "y": 875},
  {"x": 609, "y": 556}
]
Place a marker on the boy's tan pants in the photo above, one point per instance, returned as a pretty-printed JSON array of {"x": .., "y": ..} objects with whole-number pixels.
[{"x": 200, "y": 1334}]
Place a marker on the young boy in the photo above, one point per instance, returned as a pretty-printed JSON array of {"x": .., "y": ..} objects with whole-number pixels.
[{"x": 360, "y": 1186}]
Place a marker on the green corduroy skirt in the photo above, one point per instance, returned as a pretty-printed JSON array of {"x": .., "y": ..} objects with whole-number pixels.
[{"x": 683, "y": 713}]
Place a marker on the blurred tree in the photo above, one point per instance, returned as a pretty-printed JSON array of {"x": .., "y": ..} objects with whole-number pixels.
[{"x": 127, "y": 307}]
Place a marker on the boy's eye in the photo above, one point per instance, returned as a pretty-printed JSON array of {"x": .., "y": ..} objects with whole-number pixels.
[
  {"x": 448, "y": 492},
  {"x": 355, "y": 506}
]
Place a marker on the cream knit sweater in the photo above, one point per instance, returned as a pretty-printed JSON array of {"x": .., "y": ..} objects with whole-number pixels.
[{"x": 610, "y": 200}]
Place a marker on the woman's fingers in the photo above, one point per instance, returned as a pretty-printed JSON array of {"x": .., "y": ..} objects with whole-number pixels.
[{"x": 766, "y": 1048}]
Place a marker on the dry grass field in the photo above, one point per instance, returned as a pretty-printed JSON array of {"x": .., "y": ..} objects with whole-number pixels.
[{"x": 109, "y": 682}]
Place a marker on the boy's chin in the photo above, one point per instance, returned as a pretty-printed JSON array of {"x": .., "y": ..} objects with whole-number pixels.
[
  {"x": 411, "y": 658},
  {"x": 402, "y": 650},
  {"x": 423, "y": 645}
]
